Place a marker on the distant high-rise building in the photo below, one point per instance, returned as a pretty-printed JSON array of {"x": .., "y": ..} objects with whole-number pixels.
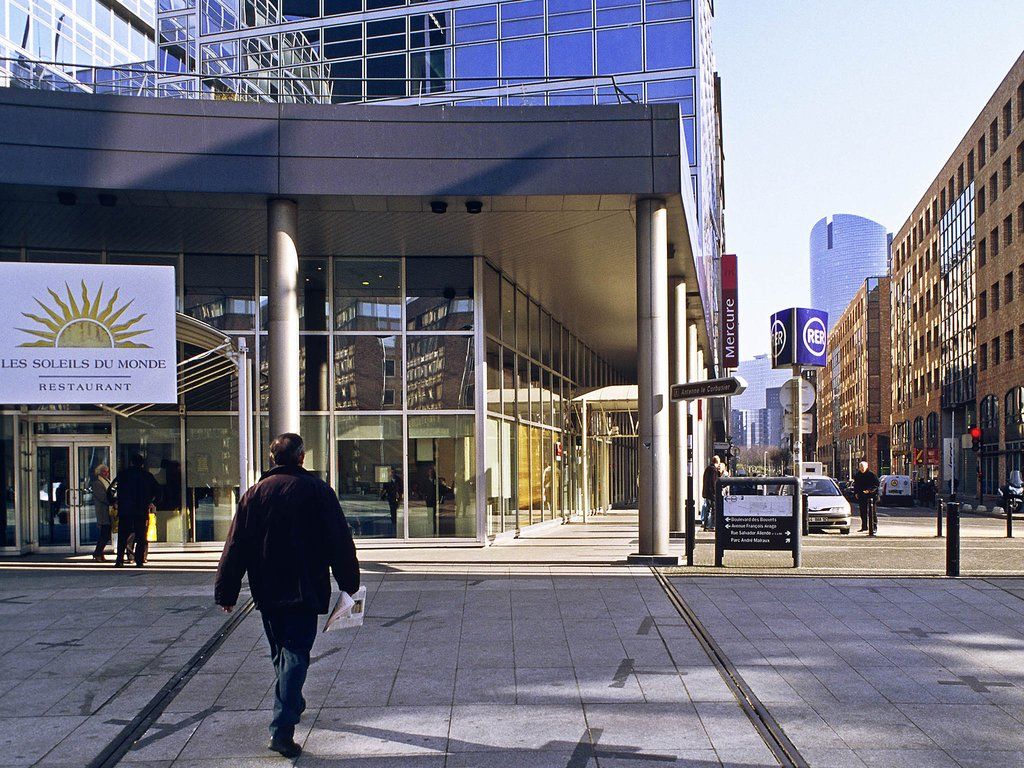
[
  {"x": 756, "y": 414},
  {"x": 845, "y": 251}
]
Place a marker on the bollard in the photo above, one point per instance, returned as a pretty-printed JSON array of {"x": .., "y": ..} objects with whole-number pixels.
[
  {"x": 940, "y": 507},
  {"x": 806, "y": 524},
  {"x": 1011, "y": 502},
  {"x": 953, "y": 539}
]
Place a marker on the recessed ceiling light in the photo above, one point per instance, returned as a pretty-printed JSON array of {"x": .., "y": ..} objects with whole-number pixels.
[{"x": 366, "y": 282}]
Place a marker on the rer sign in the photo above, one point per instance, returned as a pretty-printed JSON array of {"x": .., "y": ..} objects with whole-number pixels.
[{"x": 799, "y": 336}]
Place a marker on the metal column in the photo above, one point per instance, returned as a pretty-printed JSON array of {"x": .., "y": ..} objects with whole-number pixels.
[
  {"x": 677, "y": 414},
  {"x": 652, "y": 380},
  {"x": 283, "y": 312}
]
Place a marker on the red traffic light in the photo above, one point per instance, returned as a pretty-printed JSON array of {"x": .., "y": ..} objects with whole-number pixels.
[{"x": 976, "y": 433}]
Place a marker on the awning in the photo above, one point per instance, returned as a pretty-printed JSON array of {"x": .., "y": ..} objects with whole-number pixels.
[
  {"x": 218, "y": 358},
  {"x": 605, "y": 402},
  {"x": 619, "y": 398}
]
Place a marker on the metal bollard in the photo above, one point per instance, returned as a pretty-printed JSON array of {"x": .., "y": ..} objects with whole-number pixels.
[
  {"x": 952, "y": 538},
  {"x": 1011, "y": 502},
  {"x": 940, "y": 508},
  {"x": 806, "y": 524}
]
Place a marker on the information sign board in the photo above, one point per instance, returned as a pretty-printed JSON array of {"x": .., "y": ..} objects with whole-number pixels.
[
  {"x": 758, "y": 522},
  {"x": 87, "y": 333}
]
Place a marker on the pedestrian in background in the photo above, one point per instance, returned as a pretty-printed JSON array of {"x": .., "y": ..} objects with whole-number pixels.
[
  {"x": 289, "y": 535},
  {"x": 708, "y": 486},
  {"x": 865, "y": 489},
  {"x": 100, "y": 485},
  {"x": 135, "y": 492}
]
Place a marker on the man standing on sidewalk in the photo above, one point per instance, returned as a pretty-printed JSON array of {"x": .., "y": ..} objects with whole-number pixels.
[
  {"x": 289, "y": 535},
  {"x": 865, "y": 489},
  {"x": 707, "y": 491},
  {"x": 135, "y": 492}
]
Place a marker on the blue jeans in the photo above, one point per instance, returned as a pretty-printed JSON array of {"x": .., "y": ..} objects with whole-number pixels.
[
  {"x": 291, "y": 635},
  {"x": 707, "y": 514}
]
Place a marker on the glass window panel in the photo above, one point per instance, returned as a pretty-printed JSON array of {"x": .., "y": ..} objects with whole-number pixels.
[
  {"x": 689, "y": 129},
  {"x": 430, "y": 71},
  {"x": 476, "y": 66},
  {"x": 346, "y": 81},
  {"x": 158, "y": 438},
  {"x": 343, "y": 41},
  {"x": 296, "y": 10},
  {"x": 618, "y": 51},
  {"x": 211, "y": 474},
  {"x": 614, "y": 12},
  {"x": 370, "y": 484},
  {"x": 312, "y": 295},
  {"x": 440, "y": 372},
  {"x": 669, "y": 46},
  {"x": 386, "y": 75},
  {"x": 494, "y": 377},
  {"x": 508, "y": 312},
  {"x": 545, "y": 338},
  {"x": 535, "y": 396},
  {"x": 680, "y": 91},
  {"x": 439, "y": 294},
  {"x": 522, "y": 323},
  {"x": 521, "y": 9},
  {"x": 508, "y": 381},
  {"x": 220, "y": 290},
  {"x": 372, "y": 5},
  {"x": 572, "y": 96},
  {"x": 523, "y": 491},
  {"x": 442, "y": 476},
  {"x": 535, "y": 330},
  {"x": 367, "y": 294},
  {"x": 429, "y": 30},
  {"x": 522, "y": 58},
  {"x": 492, "y": 301},
  {"x": 386, "y": 35},
  {"x": 670, "y": 9},
  {"x": 522, "y": 27},
  {"x": 571, "y": 55},
  {"x": 336, "y": 7},
  {"x": 522, "y": 388},
  {"x": 313, "y": 373},
  {"x": 367, "y": 373},
  {"x": 476, "y": 24}
]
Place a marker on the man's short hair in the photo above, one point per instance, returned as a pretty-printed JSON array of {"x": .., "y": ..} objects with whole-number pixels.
[
  {"x": 715, "y": 459},
  {"x": 138, "y": 460},
  {"x": 286, "y": 449}
]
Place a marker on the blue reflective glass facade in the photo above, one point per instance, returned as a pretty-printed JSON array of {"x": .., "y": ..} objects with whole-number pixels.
[
  {"x": 75, "y": 33},
  {"x": 512, "y": 53}
]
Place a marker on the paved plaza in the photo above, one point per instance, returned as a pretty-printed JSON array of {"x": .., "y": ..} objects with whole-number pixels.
[{"x": 547, "y": 652}]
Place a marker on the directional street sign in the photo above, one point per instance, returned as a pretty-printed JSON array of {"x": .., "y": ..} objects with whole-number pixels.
[
  {"x": 698, "y": 390},
  {"x": 758, "y": 518},
  {"x": 787, "y": 394}
]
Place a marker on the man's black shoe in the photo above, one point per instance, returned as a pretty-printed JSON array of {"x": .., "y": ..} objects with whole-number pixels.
[
  {"x": 861, "y": 529},
  {"x": 285, "y": 747}
]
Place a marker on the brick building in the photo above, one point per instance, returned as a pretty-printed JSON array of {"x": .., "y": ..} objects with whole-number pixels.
[
  {"x": 957, "y": 307},
  {"x": 854, "y": 388}
]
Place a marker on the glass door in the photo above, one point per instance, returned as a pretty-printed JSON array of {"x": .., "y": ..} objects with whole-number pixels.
[
  {"x": 91, "y": 459},
  {"x": 66, "y": 507},
  {"x": 54, "y": 487}
]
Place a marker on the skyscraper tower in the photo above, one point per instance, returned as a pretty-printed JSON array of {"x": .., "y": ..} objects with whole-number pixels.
[{"x": 845, "y": 250}]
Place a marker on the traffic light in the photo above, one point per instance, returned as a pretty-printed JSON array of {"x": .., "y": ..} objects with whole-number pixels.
[{"x": 975, "y": 439}]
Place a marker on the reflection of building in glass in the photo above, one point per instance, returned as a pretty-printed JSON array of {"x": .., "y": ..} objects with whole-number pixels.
[
  {"x": 79, "y": 36},
  {"x": 845, "y": 251}
]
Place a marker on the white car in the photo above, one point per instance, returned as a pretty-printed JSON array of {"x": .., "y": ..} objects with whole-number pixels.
[{"x": 826, "y": 506}]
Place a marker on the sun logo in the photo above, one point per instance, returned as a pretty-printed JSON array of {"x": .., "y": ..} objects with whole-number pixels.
[{"x": 71, "y": 324}]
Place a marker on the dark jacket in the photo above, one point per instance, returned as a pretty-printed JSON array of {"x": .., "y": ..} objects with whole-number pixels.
[
  {"x": 289, "y": 534},
  {"x": 133, "y": 490},
  {"x": 707, "y": 490},
  {"x": 865, "y": 482}
]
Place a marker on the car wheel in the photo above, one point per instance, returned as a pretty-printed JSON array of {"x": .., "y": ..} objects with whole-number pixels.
[{"x": 844, "y": 531}]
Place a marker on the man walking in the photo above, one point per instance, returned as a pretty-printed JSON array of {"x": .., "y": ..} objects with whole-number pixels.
[
  {"x": 289, "y": 535},
  {"x": 865, "y": 490},
  {"x": 707, "y": 492},
  {"x": 135, "y": 492}
]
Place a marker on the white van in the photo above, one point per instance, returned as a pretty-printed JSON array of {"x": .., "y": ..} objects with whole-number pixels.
[{"x": 896, "y": 490}]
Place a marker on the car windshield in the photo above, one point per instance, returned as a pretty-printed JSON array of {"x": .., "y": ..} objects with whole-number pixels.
[
  {"x": 815, "y": 486},
  {"x": 820, "y": 487}
]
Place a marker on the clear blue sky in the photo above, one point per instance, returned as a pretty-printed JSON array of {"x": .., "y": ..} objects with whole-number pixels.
[{"x": 833, "y": 106}]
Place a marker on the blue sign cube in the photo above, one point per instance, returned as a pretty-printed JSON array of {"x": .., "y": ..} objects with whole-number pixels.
[{"x": 799, "y": 336}]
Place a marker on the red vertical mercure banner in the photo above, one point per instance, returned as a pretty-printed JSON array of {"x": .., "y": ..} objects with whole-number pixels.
[{"x": 730, "y": 313}]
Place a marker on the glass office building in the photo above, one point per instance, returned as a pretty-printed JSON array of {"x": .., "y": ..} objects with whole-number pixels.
[
  {"x": 59, "y": 42},
  {"x": 845, "y": 251},
  {"x": 517, "y": 53}
]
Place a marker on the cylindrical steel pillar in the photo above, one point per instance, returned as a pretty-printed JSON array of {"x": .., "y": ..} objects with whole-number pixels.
[
  {"x": 652, "y": 375},
  {"x": 677, "y": 412},
  {"x": 283, "y": 314}
]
